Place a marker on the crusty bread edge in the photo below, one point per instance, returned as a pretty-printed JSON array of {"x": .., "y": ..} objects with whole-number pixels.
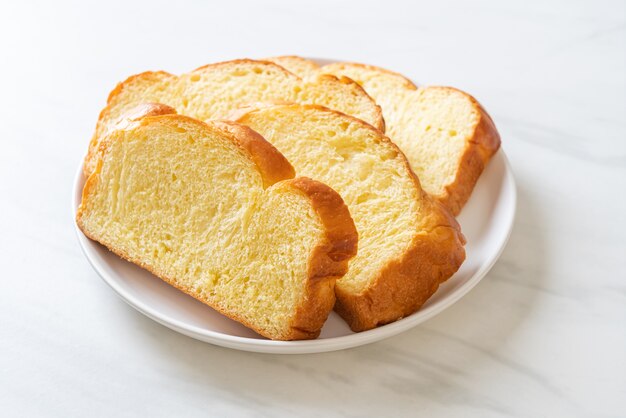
[
  {"x": 408, "y": 84},
  {"x": 481, "y": 146},
  {"x": 100, "y": 130},
  {"x": 418, "y": 271},
  {"x": 127, "y": 121},
  {"x": 327, "y": 262},
  {"x": 247, "y": 61},
  {"x": 430, "y": 260},
  {"x": 378, "y": 112},
  {"x": 273, "y": 165},
  {"x": 279, "y": 60},
  {"x": 479, "y": 149}
]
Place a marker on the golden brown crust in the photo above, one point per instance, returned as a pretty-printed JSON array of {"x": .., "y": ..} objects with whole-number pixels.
[
  {"x": 273, "y": 165},
  {"x": 404, "y": 284},
  {"x": 100, "y": 131},
  {"x": 483, "y": 144},
  {"x": 379, "y": 121},
  {"x": 146, "y": 75},
  {"x": 141, "y": 111},
  {"x": 328, "y": 260},
  {"x": 160, "y": 76},
  {"x": 408, "y": 84},
  {"x": 247, "y": 61},
  {"x": 285, "y": 60},
  {"x": 313, "y": 66},
  {"x": 478, "y": 151},
  {"x": 340, "y": 230},
  {"x": 124, "y": 122},
  {"x": 239, "y": 115},
  {"x": 150, "y": 77}
]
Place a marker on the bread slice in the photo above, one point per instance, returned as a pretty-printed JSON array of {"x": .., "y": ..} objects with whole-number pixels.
[
  {"x": 213, "y": 210},
  {"x": 212, "y": 91},
  {"x": 307, "y": 68},
  {"x": 447, "y": 136},
  {"x": 299, "y": 66},
  {"x": 408, "y": 243}
]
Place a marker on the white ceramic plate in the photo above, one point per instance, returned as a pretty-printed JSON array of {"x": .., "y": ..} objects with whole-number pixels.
[{"x": 486, "y": 221}]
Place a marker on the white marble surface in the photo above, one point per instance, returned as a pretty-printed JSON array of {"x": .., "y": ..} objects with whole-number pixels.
[{"x": 544, "y": 334}]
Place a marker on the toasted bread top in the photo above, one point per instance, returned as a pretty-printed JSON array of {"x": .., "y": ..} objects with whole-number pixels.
[
  {"x": 447, "y": 136},
  {"x": 212, "y": 91},
  {"x": 391, "y": 212}
]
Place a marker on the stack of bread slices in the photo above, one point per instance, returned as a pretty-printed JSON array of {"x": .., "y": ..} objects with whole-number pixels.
[{"x": 276, "y": 190}]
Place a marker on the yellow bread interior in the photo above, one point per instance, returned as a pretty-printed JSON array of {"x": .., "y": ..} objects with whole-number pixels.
[
  {"x": 445, "y": 134},
  {"x": 184, "y": 200},
  {"x": 213, "y": 91},
  {"x": 440, "y": 123},
  {"x": 389, "y": 209},
  {"x": 351, "y": 158}
]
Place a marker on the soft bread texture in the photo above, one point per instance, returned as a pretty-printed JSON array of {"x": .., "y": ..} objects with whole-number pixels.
[
  {"x": 213, "y": 91},
  {"x": 133, "y": 116},
  {"x": 380, "y": 77},
  {"x": 299, "y": 66},
  {"x": 212, "y": 210},
  {"x": 408, "y": 243},
  {"x": 445, "y": 133}
]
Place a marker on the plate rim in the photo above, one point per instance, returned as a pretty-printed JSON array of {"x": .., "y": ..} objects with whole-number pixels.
[{"x": 305, "y": 346}]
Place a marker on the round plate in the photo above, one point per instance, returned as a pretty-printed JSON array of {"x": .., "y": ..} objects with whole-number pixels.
[{"x": 486, "y": 221}]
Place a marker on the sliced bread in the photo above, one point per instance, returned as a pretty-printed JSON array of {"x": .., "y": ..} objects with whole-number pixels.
[
  {"x": 213, "y": 210},
  {"x": 408, "y": 243},
  {"x": 447, "y": 136},
  {"x": 212, "y": 91},
  {"x": 299, "y": 66}
]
